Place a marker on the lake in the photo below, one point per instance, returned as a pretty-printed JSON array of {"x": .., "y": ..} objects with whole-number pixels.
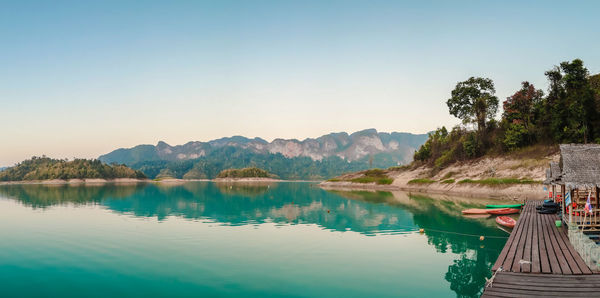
[{"x": 288, "y": 239}]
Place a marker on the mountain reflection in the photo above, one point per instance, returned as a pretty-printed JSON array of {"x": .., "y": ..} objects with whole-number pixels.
[{"x": 365, "y": 212}]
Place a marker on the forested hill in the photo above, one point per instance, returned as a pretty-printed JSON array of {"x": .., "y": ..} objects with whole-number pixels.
[
  {"x": 245, "y": 173},
  {"x": 44, "y": 168},
  {"x": 324, "y": 157},
  {"x": 568, "y": 112}
]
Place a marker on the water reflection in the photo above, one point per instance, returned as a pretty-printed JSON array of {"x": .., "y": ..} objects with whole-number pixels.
[
  {"x": 47, "y": 195},
  {"x": 447, "y": 229},
  {"x": 368, "y": 213},
  {"x": 248, "y": 189}
]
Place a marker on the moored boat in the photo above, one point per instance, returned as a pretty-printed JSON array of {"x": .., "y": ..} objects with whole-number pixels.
[
  {"x": 504, "y": 206},
  {"x": 503, "y": 211},
  {"x": 475, "y": 211},
  {"x": 506, "y": 221}
]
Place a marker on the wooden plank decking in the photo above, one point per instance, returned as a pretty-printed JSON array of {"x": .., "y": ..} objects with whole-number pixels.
[
  {"x": 510, "y": 284},
  {"x": 539, "y": 260},
  {"x": 537, "y": 246}
]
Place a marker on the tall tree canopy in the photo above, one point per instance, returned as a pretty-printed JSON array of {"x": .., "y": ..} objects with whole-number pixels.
[
  {"x": 473, "y": 101},
  {"x": 519, "y": 116},
  {"x": 569, "y": 113},
  {"x": 519, "y": 108},
  {"x": 571, "y": 103}
]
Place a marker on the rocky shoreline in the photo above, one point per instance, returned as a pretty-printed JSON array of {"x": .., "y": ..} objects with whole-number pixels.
[{"x": 518, "y": 192}]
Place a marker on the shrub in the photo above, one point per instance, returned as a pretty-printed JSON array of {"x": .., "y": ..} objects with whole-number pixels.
[
  {"x": 374, "y": 173},
  {"x": 449, "y": 174},
  {"x": 472, "y": 145},
  {"x": 444, "y": 160},
  {"x": 376, "y": 180},
  {"x": 514, "y": 137},
  {"x": 421, "y": 181}
]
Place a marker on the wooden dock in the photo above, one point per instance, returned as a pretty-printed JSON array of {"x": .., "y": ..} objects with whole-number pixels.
[
  {"x": 510, "y": 284},
  {"x": 539, "y": 260}
]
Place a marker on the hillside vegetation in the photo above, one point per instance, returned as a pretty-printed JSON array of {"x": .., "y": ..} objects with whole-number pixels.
[
  {"x": 44, "y": 168},
  {"x": 568, "y": 113},
  {"x": 245, "y": 173}
]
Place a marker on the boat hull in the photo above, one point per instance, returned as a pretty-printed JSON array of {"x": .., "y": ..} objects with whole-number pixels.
[
  {"x": 504, "y": 206},
  {"x": 506, "y": 221},
  {"x": 475, "y": 211},
  {"x": 503, "y": 211}
]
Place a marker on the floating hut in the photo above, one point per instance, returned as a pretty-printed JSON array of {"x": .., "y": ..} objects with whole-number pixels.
[
  {"x": 580, "y": 175},
  {"x": 553, "y": 179}
]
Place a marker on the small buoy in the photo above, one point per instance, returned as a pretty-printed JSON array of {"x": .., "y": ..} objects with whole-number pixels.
[
  {"x": 481, "y": 238},
  {"x": 421, "y": 231}
]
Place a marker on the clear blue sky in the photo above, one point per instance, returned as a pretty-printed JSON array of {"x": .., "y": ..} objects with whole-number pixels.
[{"x": 81, "y": 78}]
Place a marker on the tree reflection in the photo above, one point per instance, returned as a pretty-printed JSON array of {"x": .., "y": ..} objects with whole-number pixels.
[
  {"x": 446, "y": 229},
  {"x": 43, "y": 196}
]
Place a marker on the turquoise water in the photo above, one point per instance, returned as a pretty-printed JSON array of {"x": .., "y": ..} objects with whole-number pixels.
[{"x": 206, "y": 239}]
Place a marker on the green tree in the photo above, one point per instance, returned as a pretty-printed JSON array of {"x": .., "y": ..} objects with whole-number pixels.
[
  {"x": 473, "y": 101},
  {"x": 570, "y": 107},
  {"x": 515, "y": 136},
  {"x": 519, "y": 116}
]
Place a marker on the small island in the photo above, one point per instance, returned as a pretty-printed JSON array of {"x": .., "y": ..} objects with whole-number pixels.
[
  {"x": 246, "y": 175},
  {"x": 57, "y": 171}
]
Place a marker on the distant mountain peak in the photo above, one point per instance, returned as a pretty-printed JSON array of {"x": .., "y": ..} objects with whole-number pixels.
[{"x": 365, "y": 132}]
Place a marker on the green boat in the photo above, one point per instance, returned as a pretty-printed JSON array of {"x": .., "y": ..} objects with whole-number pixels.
[{"x": 504, "y": 206}]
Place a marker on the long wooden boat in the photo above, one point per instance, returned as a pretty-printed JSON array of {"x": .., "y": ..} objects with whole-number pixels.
[
  {"x": 504, "y": 206},
  {"x": 506, "y": 221},
  {"x": 475, "y": 211},
  {"x": 503, "y": 211}
]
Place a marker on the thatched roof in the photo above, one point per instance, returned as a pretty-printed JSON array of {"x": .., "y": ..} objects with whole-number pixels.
[
  {"x": 553, "y": 174},
  {"x": 555, "y": 169},
  {"x": 580, "y": 165},
  {"x": 548, "y": 179}
]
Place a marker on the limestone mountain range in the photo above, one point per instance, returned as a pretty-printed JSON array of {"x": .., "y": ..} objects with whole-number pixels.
[{"x": 387, "y": 149}]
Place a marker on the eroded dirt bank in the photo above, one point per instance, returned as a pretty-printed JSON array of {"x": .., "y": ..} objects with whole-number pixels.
[{"x": 483, "y": 178}]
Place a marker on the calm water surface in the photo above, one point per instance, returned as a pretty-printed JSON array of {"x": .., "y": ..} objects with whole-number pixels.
[{"x": 207, "y": 239}]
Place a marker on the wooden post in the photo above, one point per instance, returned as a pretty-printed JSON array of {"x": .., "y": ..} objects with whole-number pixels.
[
  {"x": 570, "y": 208},
  {"x": 562, "y": 204},
  {"x": 596, "y": 207}
]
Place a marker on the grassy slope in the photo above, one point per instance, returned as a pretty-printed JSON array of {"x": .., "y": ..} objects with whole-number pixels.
[{"x": 376, "y": 176}]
